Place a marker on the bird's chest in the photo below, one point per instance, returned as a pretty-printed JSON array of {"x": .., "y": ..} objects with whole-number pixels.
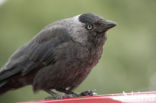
[
  {"x": 84, "y": 66},
  {"x": 95, "y": 56},
  {"x": 77, "y": 70},
  {"x": 77, "y": 75}
]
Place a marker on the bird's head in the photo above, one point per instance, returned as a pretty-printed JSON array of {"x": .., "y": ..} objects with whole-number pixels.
[
  {"x": 95, "y": 23},
  {"x": 85, "y": 26}
]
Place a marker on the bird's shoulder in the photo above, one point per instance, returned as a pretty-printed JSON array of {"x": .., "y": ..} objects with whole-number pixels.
[{"x": 52, "y": 32}]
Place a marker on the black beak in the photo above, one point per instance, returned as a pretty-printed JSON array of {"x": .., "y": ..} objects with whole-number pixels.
[
  {"x": 109, "y": 24},
  {"x": 105, "y": 25}
]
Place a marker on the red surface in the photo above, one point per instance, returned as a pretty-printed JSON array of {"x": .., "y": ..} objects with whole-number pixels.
[{"x": 144, "y": 97}]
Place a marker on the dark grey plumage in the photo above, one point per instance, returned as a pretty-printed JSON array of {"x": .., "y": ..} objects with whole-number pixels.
[{"x": 59, "y": 57}]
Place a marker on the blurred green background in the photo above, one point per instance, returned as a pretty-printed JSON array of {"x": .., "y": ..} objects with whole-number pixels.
[{"x": 129, "y": 59}]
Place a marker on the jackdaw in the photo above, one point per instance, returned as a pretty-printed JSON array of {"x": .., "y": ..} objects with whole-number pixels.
[{"x": 59, "y": 57}]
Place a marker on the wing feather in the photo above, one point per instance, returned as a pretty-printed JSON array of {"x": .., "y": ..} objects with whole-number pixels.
[{"x": 38, "y": 53}]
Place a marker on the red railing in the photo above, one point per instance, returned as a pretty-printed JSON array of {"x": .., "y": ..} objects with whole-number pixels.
[{"x": 139, "y": 97}]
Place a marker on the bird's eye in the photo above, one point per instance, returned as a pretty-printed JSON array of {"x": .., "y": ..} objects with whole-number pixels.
[{"x": 89, "y": 27}]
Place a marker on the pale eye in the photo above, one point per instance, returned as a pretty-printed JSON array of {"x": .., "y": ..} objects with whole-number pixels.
[{"x": 89, "y": 26}]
